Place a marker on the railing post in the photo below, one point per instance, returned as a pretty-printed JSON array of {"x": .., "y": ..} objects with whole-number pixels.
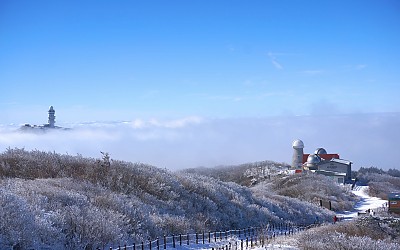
[
  {"x": 134, "y": 247},
  {"x": 150, "y": 244},
  {"x": 142, "y": 245},
  {"x": 215, "y": 236},
  {"x": 173, "y": 240},
  {"x": 158, "y": 243},
  {"x": 180, "y": 239},
  {"x": 203, "y": 237},
  {"x": 188, "y": 239},
  {"x": 197, "y": 238},
  {"x": 241, "y": 244},
  {"x": 165, "y": 242},
  {"x": 209, "y": 237}
]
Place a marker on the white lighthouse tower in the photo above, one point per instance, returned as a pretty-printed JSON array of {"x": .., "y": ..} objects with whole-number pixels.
[
  {"x": 297, "y": 161},
  {"x": 52, "y": 117}
]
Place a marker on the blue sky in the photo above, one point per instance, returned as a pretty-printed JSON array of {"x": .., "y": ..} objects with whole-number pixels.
[
  {"x": 128, "y": 59},
  {"x": 242, "y": 64}
]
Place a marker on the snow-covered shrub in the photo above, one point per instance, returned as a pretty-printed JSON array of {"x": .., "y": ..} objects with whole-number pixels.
[
  {"x": 365, "y": 233},
  {"x": 76, "y": 202},
  {"x": 17, "y": 222},
  {"x": 244, "y": 174},
  {"x": 380, "y": 184},
  {"x": 313, "y": 188}
]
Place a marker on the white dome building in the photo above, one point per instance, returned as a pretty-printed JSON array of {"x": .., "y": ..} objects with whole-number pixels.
[
  {"x": 321, "y": 162},
  {"x": 312, "y": 161}
]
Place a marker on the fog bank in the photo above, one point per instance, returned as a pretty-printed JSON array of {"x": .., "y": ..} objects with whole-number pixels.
[{"x": 365, "y": 139}]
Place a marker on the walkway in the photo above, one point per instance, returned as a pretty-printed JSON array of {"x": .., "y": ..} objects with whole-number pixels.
[{"x": 366, "y": 202}]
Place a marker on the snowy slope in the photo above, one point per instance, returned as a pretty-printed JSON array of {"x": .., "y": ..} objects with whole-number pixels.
[{"x": 366, "y": 202}]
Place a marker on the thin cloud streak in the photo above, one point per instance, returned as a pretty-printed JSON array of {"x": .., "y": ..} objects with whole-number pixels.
[
  {"x": 313, "y": 72},
  {"x": 274, "y": 62}
]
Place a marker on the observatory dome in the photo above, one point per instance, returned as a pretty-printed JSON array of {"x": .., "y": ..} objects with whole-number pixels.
[
  {"x": 298, "y": 144},
  {"x": 320, "y": 151},
  {"x": 313, "y": 160}
]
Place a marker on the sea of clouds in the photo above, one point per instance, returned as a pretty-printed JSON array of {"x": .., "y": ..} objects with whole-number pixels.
[{"x": 365, "y": 139}]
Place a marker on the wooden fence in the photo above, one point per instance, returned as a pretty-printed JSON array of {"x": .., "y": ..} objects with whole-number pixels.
[{"x": 237, "y": 239}]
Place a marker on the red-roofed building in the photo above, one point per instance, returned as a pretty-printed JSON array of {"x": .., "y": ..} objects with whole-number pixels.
[
  {"x": 321, "y": 162},
  {"x": 326, "y": 157}
]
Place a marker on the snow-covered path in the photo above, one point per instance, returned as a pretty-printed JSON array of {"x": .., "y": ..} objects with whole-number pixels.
[{"x": 366, "y": 202}]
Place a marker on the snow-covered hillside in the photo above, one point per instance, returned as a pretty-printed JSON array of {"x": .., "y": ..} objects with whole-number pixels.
[
  {"x": 366, "y": 203},
  {"x": 63, "y": 201}
]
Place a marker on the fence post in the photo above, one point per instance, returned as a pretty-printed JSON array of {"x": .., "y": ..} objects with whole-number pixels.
[
  {"x": 197, "y": 238},
  {"x": 134, "y": 247},
  {"x": 142, "y": 245},
  {"x": 209, "y": 237},
  {"x": 150, "y": 244},
  {"x": 241, "y": 244},
  {"x": 188, "y": 238},
  {"x": 173, "y": 240},
  {"x": 180, "y": 239},
  {"x": 203, "y": 237},
  {"x": 165, "y": 242},
  {"x": 215, "y": 236}
]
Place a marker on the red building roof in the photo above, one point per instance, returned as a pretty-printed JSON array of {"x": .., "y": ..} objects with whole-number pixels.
[{"x": 323, "y": 156}]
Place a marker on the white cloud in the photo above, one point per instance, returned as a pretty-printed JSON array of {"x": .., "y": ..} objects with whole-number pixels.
[
  {"x": 356, "y": 67},
  {"x": 361, "y": 66},
  {"x": 274, "y": 62},
  {"x": 313, "y": 72},
  {"x": 195, "y": 141}
]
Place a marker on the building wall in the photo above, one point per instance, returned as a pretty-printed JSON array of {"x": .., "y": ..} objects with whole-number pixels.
[
  {"x": 336, "y": 167},
  {"x": 394, "y": 205},
  {"x": 297, "y": 158},
  {"x": 336, "y": 178}
]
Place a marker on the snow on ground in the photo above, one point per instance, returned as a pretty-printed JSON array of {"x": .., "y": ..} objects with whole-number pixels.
[
  {"x": 235, "y": 245},
  {"x": 231, "y": 242},
  {"x": 366, "y": 202}
]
